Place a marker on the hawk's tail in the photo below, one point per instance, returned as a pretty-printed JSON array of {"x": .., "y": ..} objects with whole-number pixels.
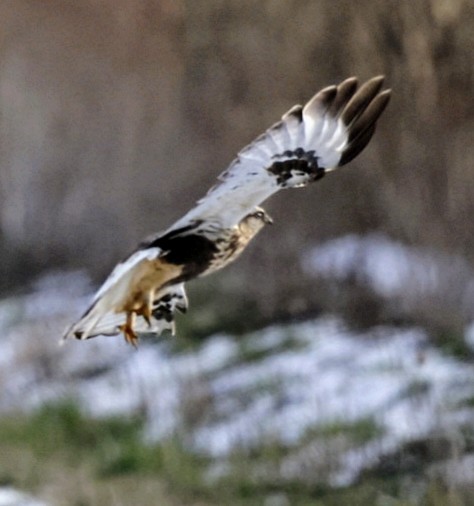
[{"x": 96, "y": 322}]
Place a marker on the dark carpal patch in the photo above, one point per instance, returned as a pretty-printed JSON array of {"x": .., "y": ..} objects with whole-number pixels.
[
  {"x": 183, "y": 247},
  {"x": 296, "y": 162},
  {"x": 194, "y": 251}
]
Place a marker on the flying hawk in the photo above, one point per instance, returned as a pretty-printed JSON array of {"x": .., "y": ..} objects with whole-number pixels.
[{"x": 143, "y": 293}]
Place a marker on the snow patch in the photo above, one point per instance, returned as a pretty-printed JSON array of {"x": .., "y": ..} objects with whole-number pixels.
[
  {"x": 11, "y": 497},
  {"x": 310, "y": 375},
  {"x": 390, "y": 268}
]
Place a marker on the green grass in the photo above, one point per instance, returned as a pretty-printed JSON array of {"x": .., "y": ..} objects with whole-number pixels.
[
  {"x": 63, "y": 429},
  {"x": 452, "y": 342},
  {"x": 57, "y": 448},
  {"x": 68, "y": 459},
  {"x": 205, "y": 317},
  {"x": 358, "y": 432}
]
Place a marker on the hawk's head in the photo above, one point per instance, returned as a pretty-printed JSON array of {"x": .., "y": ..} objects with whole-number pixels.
[{"x": 254, "y": 222}]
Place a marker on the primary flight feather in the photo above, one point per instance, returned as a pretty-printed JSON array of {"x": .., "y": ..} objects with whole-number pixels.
[{"x": 142, "y": 294}]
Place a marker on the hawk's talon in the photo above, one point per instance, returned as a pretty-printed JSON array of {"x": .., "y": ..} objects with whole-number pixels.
[{"x": 129, "y": 334}]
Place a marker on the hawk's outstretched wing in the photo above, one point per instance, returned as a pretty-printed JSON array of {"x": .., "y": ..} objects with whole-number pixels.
[
  {"x": 143, "y": 292},
  {"x": 328, "y": 132}
]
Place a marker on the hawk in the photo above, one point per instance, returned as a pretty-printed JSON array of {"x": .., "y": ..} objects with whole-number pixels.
[{"x": 143, "y": 293}]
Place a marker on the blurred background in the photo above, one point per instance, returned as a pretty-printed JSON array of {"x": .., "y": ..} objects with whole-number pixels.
[{"x": 333, "y": 363}]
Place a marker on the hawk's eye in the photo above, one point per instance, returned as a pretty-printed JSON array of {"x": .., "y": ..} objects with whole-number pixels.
[{"x": 259, "y": 214}]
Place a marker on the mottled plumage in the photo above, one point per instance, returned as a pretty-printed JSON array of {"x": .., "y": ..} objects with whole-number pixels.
[{"x": 143, "y": 293}]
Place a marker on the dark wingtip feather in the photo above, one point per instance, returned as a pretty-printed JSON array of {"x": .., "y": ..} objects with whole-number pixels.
[
  {"x": 345, "y": 91},
  {"x": 356, "y": 146},
  {"x": 322, "y": 101},
  {"x": 361, "y": 114},
  {"x": 370, "y": 115},
  {"x": 359, "y": 101},
  {"x": 296, "y": 112}
]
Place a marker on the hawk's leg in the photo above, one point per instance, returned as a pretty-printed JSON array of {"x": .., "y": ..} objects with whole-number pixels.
[
  {"x": 127, "y": 328},
  {"x": 147, "y": 308}
]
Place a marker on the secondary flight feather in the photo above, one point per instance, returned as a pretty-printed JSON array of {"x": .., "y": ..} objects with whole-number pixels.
[{"x": 143, "y": 293}]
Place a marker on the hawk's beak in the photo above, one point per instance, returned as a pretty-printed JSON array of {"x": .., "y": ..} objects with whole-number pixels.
[{"x": 268, "y": 220}]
